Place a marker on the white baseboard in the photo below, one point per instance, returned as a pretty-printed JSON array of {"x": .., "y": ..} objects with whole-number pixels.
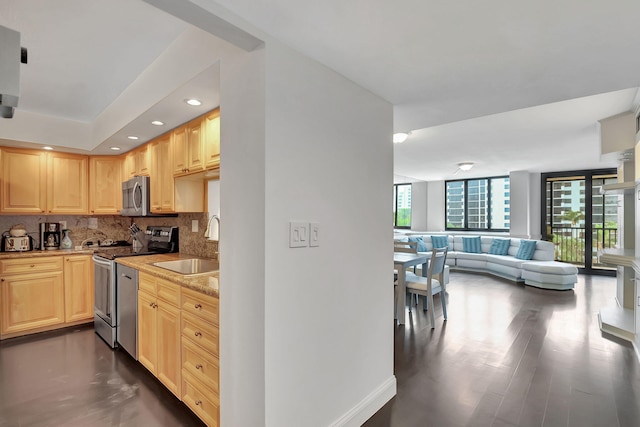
[{"x": 360, "y": 413}]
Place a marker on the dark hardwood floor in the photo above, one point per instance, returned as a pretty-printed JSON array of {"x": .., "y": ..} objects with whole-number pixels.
[
  {"x": 71, "y": 378},
  {"x": 512, "y": 355}
]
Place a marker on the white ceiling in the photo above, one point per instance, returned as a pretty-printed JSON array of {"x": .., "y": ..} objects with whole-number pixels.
[{"x": 488, "y": 82}]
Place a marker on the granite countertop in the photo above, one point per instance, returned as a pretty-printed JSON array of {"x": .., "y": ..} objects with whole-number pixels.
[
  {"x": 58, "y": 252},
  {"x": 207, "y": 283}
]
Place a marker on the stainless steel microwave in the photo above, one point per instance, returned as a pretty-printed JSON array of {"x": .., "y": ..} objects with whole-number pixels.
[{"x": 136, "y": 197}]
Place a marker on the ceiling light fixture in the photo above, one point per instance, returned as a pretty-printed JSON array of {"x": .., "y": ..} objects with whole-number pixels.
[
  {"x": 115, "y": 148},
  {"x": 47, "y": 148},
  {"x": 193, "y": 101},
  {"x": 157, "y": 123},
  {"x": 465, "y": 166},
  {"x": 133, "y": 137},
  {"x": 400, "y": 137}
]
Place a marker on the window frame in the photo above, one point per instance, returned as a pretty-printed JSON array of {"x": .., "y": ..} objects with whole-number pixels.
[
  {"x": 395, "y": 204},
  {"x": 465, "y": 199}
]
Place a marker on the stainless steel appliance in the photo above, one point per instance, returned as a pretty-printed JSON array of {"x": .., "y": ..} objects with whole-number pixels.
[
  {"x": 17, "y": 244},
  {"x": 107, "y": 322},
  {"x": 136, "y": 197},
  {"x": 127, "y": 309},
  {"x": 49, "y": 235}
]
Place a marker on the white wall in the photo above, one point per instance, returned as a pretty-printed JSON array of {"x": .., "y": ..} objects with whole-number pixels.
[
  {"x": 435, "y": 206},
  {"x": 328, "y": 310},
  {"x": 419, "y": 205}
]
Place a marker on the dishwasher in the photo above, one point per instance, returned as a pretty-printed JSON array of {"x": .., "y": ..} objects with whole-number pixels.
[{"x": 127, "y": 309}]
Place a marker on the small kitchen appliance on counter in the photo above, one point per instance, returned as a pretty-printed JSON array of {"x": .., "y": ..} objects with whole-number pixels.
[
  {"x": 49, "y": 236},
  {"x": 17, "y": 244}
]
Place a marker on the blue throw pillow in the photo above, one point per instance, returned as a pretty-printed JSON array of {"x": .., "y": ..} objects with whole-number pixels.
[
  {"x": 500, "y": 246},
  {"x": 526, "y": 249},
  {"x": 440, "y": 241},
  {"x": 471, "y": 245},
  {"x": 422, "y": 247}
]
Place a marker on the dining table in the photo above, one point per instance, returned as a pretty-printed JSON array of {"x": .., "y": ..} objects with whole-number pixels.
[{"x": 402, "y": 261}]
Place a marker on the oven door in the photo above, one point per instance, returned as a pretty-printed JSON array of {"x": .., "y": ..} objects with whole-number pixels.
[{"x": 104, "y": 283}]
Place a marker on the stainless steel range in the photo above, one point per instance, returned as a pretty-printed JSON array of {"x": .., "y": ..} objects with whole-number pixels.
[{"x": 116, "y": 289}]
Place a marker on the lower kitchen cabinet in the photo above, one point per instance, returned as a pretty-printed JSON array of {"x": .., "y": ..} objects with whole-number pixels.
[
  {"x": 159, "y": 330},
  {"x": 78, "y": 288},
  {"x": 43, "y": 293},
  {"x": 32, "y": 295}
]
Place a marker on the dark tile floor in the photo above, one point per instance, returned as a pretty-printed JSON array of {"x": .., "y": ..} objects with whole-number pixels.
[
  {"x": 71, "y": 378},
  {"x": 512, "y": 355}
]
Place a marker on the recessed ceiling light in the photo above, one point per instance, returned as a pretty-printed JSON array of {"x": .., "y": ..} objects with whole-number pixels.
[
  {"x": 193, "y": 101},
  {"x": 115, "y": 148},
  {"x": 465, "y": 166},
  {"x": 400, "y": 137},
  {"x": 157, "y": 123},
  {"x": 47, "y": 148},
  {"x": 133, "y": 137}
]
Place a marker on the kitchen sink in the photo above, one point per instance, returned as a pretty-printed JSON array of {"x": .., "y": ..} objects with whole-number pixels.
[{"x": 189, "y": 266}]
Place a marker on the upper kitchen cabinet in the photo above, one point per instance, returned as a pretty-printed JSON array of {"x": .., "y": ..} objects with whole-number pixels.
[
  {"x": 162, "y": 188},
  {"x": 188, "y": 152},
  {"x": 105, "y": 185},
  {"x": 19, "y": 194},
  {"x": 211, "y": 139},
  {"x": 137, "y": 162},
  {"x": 67, "y": 183}
]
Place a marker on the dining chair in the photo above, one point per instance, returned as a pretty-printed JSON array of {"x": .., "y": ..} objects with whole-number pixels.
[
  {"x": 431, "y": 285},
  {"x": 411, "y": 247}
]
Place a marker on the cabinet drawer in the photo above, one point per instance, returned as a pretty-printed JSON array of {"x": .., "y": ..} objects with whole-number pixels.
[
  {"x": 200, "y": 332},
  {"x": 168, "y": 291},
  {"x": 202, "y": 401},
  {"x": 202, "y": 305},
  {"x": 30, "y": 265},
  {"x": 147, "y": 283},
  {"x": 200, "y": 363}
]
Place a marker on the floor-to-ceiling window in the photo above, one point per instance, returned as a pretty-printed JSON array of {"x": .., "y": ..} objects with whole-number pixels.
[{"x": 578, "y": 219}]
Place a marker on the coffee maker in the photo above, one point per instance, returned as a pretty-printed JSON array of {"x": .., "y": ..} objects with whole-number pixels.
[{"x": 49, "y": 235}]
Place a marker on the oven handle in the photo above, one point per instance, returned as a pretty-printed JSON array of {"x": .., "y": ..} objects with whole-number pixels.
[
  {"x": 136, "y": 186},
  {"x": 101, "y": 261}
]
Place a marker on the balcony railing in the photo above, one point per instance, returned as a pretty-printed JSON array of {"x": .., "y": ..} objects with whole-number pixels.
[{"x": 570, "y": 244}]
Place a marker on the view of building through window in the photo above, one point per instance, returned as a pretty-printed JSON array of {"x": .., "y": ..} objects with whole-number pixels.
[
  {"x": 575, "y": 210},
  {"x": 478, "y": 204},
  {"x": 402, "y": 205}
]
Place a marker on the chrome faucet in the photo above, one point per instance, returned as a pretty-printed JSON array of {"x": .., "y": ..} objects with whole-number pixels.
[{"x": 207, "y": 233}]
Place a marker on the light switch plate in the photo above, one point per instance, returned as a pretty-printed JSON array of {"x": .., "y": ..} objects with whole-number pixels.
[
  {"x": 314, "y": 229},
  {"x": 93, "y": 223},
  {"x": 298, "y": 234},
  {"x": 194, "y": 225}
]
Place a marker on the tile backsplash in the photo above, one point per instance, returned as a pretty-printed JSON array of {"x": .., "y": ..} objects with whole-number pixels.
[{"x": 116, "y": 227}]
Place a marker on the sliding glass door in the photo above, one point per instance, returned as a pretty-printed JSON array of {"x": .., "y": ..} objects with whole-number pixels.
[{"x": 578, "y": 219}]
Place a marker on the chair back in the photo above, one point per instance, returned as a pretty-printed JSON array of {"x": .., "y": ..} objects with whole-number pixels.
[
  {"x": 438, "y": 259},
  {"x": 411, "y": 247}
]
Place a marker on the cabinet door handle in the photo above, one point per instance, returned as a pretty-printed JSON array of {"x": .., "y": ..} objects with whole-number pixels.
[
  {"x": 198, "y": 334},
  {"x": 198, "y": 306},
  {"x": 1, "y": 280},
  {"x": 198, "y": 366},
  {"x": 198, "y": 402},
  {"x": 32, "y": 265}
]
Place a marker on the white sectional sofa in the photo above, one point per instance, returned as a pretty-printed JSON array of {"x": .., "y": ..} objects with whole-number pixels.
[{"x": 537, "y": 269}]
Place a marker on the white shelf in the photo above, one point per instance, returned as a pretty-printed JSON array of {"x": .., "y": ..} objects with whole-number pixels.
[
  {"x": 618, "y": 188},
  {"x": 618, "y": 322},
  {"x": 623, "y": 257}
]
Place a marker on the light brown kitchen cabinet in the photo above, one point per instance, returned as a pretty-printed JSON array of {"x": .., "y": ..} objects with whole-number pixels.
[
  {"x": 159, "y": 330},
  {"x": 211, "y": 139},
  {"x": 136, "y": 162},
  {"x": 105, "y": 185},
  {"x": 200, "y": 356},
  {"x": 162, "y": 186},
  {"x": 67, "y": 183},
  {"x": 31, "y": 295},
  {"x": 188, "y": 151},
  {"x": 78, "y": 288},
  {"x": 24, "y": 181}
]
